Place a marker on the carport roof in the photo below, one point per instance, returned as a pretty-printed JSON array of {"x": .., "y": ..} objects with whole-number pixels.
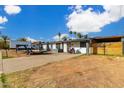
[{"x": 108, "y": 39}]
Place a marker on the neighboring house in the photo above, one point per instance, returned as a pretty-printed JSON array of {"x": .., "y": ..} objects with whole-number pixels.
[{"x": 13, "y": 44}]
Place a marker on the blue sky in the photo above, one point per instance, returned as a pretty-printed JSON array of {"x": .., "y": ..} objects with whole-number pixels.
[{"x": 44, "y": 22}]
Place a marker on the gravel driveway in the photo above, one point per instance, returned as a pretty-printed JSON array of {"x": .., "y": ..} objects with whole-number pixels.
[{"x": 22, "y": 63}]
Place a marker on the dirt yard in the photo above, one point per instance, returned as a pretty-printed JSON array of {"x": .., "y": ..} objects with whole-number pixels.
[
  {"x": 82, "y": 71},
  {"x": 13, "y": 54}
]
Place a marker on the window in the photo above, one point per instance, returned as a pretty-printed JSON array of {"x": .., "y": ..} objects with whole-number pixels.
[{"x": 82, "y": 44}]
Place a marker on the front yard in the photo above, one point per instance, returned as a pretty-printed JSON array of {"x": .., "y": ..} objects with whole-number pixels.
[
  {"x": 13, "y": 54},
  {"x": 81, "y": 71}
]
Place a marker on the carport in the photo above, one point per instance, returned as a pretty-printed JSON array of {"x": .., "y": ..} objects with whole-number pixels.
[{"x": 108, "y": 45}]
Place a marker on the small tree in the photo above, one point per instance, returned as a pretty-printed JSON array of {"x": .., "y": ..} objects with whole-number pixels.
[
  {"x": 5, "y": 44},
  {"x": 22, "y": 39}
]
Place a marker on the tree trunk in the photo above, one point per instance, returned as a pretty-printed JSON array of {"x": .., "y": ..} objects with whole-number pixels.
[{"x": 6, "y": 53}]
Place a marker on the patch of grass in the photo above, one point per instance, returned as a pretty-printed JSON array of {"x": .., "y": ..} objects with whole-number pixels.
[
  {"x": 5, "y": 57},
  {"x": 3, "y": 80}
]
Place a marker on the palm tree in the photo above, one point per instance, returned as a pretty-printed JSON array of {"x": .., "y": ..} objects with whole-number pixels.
[
  {"x": 71, "y": 33},
  {"x": 5, "y": 45},
  {"x": 22, "y": 39},
  {"x": 79, "y": 35},
  {"x": 59, "y": 34},
  {"x": 75, "y": 33}
]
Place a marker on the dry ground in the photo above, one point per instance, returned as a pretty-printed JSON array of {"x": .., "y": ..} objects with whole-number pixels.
[
  {"x": 23, "y": 63},
  {"x": 13, "y": 54},
  {"x": 82, "y": 71}
]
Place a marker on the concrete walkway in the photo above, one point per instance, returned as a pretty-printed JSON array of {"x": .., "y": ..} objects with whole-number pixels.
[{"x": 23, "y": 63}]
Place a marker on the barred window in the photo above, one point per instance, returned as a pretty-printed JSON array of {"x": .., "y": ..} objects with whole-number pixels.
[{"x": 82, "y": 44}]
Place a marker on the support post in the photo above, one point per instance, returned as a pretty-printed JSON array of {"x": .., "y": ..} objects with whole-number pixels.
[
  {"x": 123, "y": 48},
  {"x": 104, "y": 49},
  {"x": 87, "y": 48}
]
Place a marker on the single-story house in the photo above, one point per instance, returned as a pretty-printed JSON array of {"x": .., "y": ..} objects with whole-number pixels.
[
  {"x": 112, "y": 45},
  {"x": 79, "y": 46}
]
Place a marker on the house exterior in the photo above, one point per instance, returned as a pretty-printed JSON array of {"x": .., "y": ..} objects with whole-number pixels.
[
  {"x": 79, "y": 45},
  {"x": 112, "y": 45},
  {"x": 14, "y": 43}
]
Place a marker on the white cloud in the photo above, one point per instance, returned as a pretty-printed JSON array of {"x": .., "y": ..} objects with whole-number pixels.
[
  {"x": 86, "y": 21},
  {"x": 12, "y": 9},
  {"x": 62, "y": 35},
  {"x": 31, "y": 39},
  {"x": 3, "y": 20}
]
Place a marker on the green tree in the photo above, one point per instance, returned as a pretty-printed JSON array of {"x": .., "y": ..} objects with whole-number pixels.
[
  {"x": 5, "y": 43},
  {"x": 75, "y": 33},
  {"x": 22, "y": 39},
  {"x": 71, "y": 33},
  {"x": 79, "y": 35}
]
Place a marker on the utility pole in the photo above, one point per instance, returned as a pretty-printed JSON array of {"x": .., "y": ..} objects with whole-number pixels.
[
  {"x": 1, "y": 70},
  {"x": 120, "y": 14},
  {"x": 2, "y": 83},
  {"x": 1, "y": 67}
]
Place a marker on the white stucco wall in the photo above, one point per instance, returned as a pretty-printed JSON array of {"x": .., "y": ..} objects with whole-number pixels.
[
  {"x": 82, "y": 50},
  {"x": 45, "y": 47},
  {"x": 76, "y": 46},
  {"x": 54, "y": 46},
  {"x": 50, "y": 46},
  {"x": 61, "y": 46}
]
